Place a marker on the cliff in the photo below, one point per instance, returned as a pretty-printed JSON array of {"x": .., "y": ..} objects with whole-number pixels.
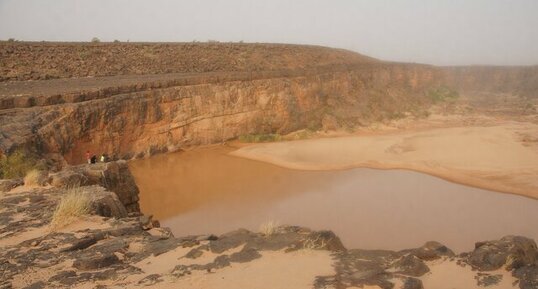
[{"x": 155, "y": 98}]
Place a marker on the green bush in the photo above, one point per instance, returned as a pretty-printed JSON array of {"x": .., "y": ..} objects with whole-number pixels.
[
  {"x": 259, "y": 137},
  {"x": 17, "y": 164},
  {"x": 442, "y": 93}
]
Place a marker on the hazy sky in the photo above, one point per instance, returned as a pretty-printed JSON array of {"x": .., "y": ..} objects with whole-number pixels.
[{"x": 446, "y": 32}]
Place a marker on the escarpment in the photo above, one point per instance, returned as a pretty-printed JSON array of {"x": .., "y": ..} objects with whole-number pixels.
[{"x": 194, "y": 94}]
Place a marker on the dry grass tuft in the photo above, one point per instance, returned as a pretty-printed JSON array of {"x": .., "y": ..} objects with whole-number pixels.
[
  {"x": 32, "y": 178},
  {"x": 72, "y": 206},
  {"x": 269, "y": 228},
  {"x": 314, "y": 244}
]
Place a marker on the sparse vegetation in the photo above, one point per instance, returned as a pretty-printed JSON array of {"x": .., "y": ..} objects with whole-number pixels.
[
  {"x": 73, "y": 205},
  {"x": 269, "y": 228},
  {"x": 314, "y": 244},
  {"x": 32, "y": 178},
  {"x": 116, "y": 41},
  {"x": 260, "y": 137},
  {"x": 17, "y": 164},
  {"x": 442, "y": 93},
  {"x": 96, "y": 40},
  {"x": 300, "y": 134},
  {"x": 11, "y": 40}
]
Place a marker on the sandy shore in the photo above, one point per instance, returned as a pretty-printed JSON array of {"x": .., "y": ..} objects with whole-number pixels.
[{"x": 501, "y": 157}]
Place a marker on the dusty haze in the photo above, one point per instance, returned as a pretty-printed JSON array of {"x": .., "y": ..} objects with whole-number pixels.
[{"x": 494, "y": 32}]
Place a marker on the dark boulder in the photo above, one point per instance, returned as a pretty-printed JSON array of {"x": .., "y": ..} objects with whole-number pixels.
[{"x": 510, "y": 251}]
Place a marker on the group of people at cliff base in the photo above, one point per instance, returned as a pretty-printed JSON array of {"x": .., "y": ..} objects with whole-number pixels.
[{"x": 92, "y": 159}]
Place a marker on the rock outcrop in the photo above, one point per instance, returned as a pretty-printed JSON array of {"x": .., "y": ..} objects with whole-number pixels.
[
  {"x": 511, "y": 252},
  {"x": 105, "y": 203},
  {"x": 114, "y": 176},
  {"x": 114, "y": 251}
]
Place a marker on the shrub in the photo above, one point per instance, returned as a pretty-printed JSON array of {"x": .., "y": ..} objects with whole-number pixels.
[
  {"x": 314, "y": 244},
  {"x": 442, "y": 93},
  {"x": 96, "y": 40},
  {"x": 269, "y": 228},
  {"x": 259, "y": 137},
  {"x": 116, "y": 41},
  {"x": 73, "y": 205},
  {"x": 17, "y": 164},
  {"x": 33, "y": 178}
]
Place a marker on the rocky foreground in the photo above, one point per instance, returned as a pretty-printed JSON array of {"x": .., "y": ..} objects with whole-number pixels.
[{"x": 117, "y": 246}]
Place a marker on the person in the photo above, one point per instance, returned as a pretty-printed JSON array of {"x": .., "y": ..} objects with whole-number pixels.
[
  {"x": 103, "y": 158},
  {"x": 93, "y": 160},
  {"x": 88, "y": 156}
]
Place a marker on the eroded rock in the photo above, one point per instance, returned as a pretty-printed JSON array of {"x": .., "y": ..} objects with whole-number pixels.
[
  {"x": 410, "y": 265},
  {"x": 104, "y": 203},
  {"x": 67, "y": 178},
  {"x": 528, "y": 276},
  {"x": 8, "y": 185},
  {"x": 511, "y": 252},
  {"x": 430, "y": 251},
  {"x": 95, "y": 262},
  {"x": 113, "y": 176},
  {"x": 413, "y": 283}
]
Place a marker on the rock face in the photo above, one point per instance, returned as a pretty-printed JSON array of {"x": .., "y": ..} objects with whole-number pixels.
[
  {"x": 512, "y": 252},
  {"x": 146, "y": 122},
  {"x": 238, "y": 89},
  {"x": 114, "y": 176},
  {"x": 105, "y": 203},
  {"x": 7, "y": 185}
]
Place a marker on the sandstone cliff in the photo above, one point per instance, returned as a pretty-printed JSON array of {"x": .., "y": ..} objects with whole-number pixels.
[{"x": 210, "y": 93}]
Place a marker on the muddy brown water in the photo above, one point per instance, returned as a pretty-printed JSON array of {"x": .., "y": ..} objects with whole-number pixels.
[{"x": 207, "y": 191}]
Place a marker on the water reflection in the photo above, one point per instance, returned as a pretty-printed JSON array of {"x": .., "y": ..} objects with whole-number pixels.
[{"x": 207, "y": 191}]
